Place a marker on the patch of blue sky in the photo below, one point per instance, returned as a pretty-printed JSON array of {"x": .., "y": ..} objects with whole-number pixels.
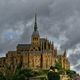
[{"x": 10, "y": 35}]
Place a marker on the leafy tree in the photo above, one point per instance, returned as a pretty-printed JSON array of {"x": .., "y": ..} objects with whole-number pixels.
[
  {"x": 71, "y": 73},
  {"x": 22, "y": 74},
  {"x": 58, "y": 66},
  {"x": 2, "y": 77}
]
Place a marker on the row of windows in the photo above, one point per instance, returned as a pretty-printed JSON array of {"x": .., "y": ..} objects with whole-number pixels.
[
  {"x": 35, "y": 38},
  {"x": 35, "y": 43}
]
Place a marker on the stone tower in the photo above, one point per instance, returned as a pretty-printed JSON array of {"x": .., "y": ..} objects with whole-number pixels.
[{"x": 35, "y": 35}]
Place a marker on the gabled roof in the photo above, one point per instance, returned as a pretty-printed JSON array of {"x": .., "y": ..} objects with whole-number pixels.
[{"x": 24, "y": 46}]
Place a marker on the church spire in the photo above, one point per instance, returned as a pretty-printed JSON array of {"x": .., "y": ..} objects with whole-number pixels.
[
  {"x": 35, "y": 32},
  {"x": 35, "y": 24}
]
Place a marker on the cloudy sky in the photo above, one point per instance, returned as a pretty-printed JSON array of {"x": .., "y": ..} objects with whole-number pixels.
[{"x": 59, "y": 20}]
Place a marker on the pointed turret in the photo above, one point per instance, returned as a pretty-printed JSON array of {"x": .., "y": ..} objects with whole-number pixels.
[
  {"x": 65, "y": 54},
  {"x": 35, "y": 25},
  {"x": 46, "y": 43},
  {"x": 52, "y": 45}
]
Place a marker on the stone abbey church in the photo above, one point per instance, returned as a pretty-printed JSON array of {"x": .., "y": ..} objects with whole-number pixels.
[{"x": 39, "y": 54}]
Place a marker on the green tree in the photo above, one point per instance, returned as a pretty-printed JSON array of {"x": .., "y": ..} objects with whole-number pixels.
[
  {"x": 22, "y": 74},
  {"x": 2, "y": 77},
  {"x": 58, "y": 65},
  {"x": 71, "y": 73}
]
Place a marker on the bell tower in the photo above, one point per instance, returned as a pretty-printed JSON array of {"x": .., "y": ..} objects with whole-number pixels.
[{"x": 35, "y": 35}]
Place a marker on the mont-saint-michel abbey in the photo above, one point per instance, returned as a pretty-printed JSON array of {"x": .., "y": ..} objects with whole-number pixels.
[{"x": 39, "y": 54}]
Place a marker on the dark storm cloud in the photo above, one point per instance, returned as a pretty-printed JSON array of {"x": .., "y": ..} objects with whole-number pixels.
[
  {"x": 74, "y": 58},
  {"x": 73, "y": 32},
  {"x": 14, "y": 15},
  {"x": 77, "y": 67}
]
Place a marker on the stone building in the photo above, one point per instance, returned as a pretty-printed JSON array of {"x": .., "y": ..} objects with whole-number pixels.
[{"x": 39, "y": 54}]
